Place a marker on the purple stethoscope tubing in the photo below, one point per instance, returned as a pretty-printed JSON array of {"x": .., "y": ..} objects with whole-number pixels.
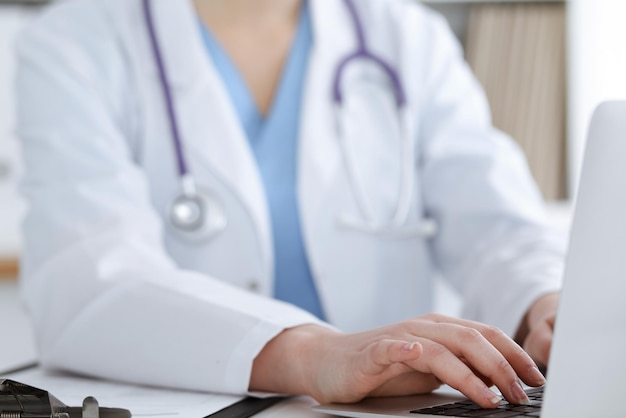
[
  {"x": 363, "y": 53},
  {"x": 396, "y": 226},
  {"x": 167, "y": 93},
  {"x": 190, "y": 194}
]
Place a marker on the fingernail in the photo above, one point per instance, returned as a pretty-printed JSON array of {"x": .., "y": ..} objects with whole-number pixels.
[
  {"x": 491, "y": 397},
  {"x": 537, "y": 376},
  {"x": 518, "y": 394},
  {"x": 408, "y": 346}
]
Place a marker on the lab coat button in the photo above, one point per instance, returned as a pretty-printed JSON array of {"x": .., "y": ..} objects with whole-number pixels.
[{"x": 253, "y": 286}]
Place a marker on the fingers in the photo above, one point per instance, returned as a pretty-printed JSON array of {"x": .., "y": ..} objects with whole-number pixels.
[
  {"x": 539, "y": 341},
  {"x": 482, "y": 357},
  {"x": 482, "y": 377},
  {"x": 522, "y": 364},
  {"x": 449, "y": 368},
  {"x": 475, "y": 355}
]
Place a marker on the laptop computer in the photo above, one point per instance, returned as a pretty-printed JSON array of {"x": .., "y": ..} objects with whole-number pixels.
[{"x": 587, "y": 373}]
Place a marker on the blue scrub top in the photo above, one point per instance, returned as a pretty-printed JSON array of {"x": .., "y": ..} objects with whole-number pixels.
[{"x": 274, "y": 142}]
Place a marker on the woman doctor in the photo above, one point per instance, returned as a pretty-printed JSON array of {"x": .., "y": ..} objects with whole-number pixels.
[{"x": 213, "y": 183}]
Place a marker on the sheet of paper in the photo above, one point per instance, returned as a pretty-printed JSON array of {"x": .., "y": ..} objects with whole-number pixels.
[{"x": 140, "y": 400}]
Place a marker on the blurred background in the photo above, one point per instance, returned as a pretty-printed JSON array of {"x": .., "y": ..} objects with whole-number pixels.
[{"x": 545, "y": 65}]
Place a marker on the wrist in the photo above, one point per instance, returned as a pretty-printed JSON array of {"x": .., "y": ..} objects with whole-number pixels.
[{"x": 288, "y": 363}]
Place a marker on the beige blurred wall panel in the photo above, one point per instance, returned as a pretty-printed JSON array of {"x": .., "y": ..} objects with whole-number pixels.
[
  {"x": 517, "y": 51},
  {"x": 9, "y": 269}
]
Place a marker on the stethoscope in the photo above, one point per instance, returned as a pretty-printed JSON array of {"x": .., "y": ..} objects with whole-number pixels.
[
  {"x": 197, "y": 214},
  {"x": 194, "y": 214}
]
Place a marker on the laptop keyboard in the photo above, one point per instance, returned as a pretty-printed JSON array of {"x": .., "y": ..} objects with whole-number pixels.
[{"x": 505, "y": 410}]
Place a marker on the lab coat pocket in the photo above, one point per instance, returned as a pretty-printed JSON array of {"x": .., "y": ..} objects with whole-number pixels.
[{"x": 372, "y": 279}]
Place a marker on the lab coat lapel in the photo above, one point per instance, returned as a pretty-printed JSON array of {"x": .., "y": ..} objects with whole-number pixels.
[
  {"x": 319, "y": 154},
  {"x": 209, "y": 126}
]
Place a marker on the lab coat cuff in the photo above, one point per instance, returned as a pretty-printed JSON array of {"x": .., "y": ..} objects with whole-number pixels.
[{"x": 239, "y": 369}]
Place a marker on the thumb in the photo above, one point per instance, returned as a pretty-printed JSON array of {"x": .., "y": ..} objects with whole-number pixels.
[{"x": 380, "y": 355}]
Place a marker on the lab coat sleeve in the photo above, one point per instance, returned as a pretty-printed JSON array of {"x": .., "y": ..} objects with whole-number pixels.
[
  {"x": 493, "y": 244},
  {"x": 103, "y": 295}
]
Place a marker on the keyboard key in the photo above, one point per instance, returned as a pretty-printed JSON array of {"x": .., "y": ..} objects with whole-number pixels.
[
  {"x": 478, "y": 413},
  {"x": 504, "y": 410},
  {"x": 502, "y": 414}
]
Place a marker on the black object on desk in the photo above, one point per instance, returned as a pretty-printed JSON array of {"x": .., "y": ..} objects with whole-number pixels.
[
  {"x": 246, "y": 407},
  {"x": 18, "y": 400}
]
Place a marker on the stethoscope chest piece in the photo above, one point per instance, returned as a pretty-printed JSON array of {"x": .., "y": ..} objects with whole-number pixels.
[{"x": 196, "y": 216}]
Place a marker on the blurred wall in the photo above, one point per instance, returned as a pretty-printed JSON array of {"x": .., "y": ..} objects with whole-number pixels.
[
  {"x": 12, "y": 17},
  {"x": 597, "y": 67}
]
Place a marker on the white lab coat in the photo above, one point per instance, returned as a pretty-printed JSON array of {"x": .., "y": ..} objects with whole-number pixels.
[{"x": 113, "y": 293}]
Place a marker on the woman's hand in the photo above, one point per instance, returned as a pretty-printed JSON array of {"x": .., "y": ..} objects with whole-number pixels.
[
  {"x": 410, "y": 357},
  {"x": 537, "y": 333}
]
